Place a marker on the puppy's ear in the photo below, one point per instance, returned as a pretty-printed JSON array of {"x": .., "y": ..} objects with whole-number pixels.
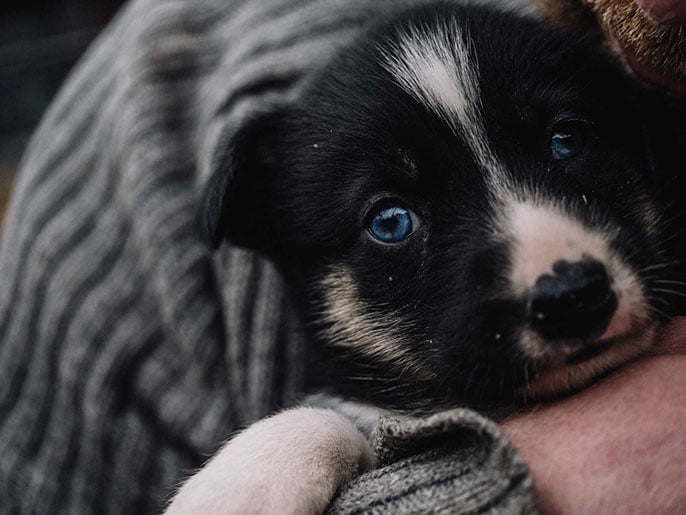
[{"x": 235, "y": 204}]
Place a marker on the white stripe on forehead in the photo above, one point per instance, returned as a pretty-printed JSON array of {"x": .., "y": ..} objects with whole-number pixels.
[{"x": 436, "y": 67}]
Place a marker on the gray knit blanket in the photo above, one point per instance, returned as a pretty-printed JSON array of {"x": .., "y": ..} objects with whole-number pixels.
[{"x": 129, "y": 353}]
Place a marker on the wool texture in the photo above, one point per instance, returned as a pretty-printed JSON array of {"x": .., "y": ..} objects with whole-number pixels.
[{"x": 128, "y": 351}]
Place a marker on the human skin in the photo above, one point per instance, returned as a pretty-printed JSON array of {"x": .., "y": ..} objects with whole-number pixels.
[
  {"x": 671, "y": 15},
  {"x": 649, "y": 35},
  {"x": 668, "y": 12},
  {"x": 618, "y": 446}
]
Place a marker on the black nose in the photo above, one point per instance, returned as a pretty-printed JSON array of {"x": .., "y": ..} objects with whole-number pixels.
[{"x": 575, "y": 302}]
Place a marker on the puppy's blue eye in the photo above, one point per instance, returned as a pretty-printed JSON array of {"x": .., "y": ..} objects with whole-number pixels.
[
  {"x": 568, "y": 139},
  {"x": 392, "y": 224}
]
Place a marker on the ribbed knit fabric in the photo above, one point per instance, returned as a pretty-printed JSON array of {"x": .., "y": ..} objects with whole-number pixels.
[
  {"x": 128, "y": 353},
  {"x": 451, "y": 462}
]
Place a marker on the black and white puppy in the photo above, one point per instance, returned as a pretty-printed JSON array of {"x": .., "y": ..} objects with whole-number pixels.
[{"x": 472, "y": 208}]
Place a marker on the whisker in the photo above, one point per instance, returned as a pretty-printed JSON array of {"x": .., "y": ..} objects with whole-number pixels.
[
  {"x": 669, "y": 292},
  {"x": 672, "y": 236},
  {"x": 502, "y": 385},
  {"x": 471, "y": 376},
  {"x": 659, "y": 312},
  {"x": 673, "y": 218},
  {"x": 658, "y": 266},
  {"x": 669, "y": 281},
  {"x": 658, "y": 299}
]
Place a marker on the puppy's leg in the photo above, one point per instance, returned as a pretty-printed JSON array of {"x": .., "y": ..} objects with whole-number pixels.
[{"x": 292, "y": 462}]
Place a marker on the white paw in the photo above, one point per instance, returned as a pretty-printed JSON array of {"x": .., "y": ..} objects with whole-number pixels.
[{"x": 292, "y": 462}]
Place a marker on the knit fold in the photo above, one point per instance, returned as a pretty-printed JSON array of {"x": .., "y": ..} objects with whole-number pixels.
[{"x": 451, "y": 462}]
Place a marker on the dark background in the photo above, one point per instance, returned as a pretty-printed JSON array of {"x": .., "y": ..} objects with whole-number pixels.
[{"x": 39, "y": 43}]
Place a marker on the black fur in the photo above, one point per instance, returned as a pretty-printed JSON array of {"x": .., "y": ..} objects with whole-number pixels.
[{"x": 304, "y": 176}]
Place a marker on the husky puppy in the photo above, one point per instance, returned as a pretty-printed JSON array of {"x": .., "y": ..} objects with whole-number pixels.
[{"x": 471, "y": 208}]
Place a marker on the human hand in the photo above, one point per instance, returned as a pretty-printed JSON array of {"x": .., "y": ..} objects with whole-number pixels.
[{"x": 620, "y": 445}]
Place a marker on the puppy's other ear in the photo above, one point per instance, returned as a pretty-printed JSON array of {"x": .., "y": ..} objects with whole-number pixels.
[{"x": 235, "y": 204}]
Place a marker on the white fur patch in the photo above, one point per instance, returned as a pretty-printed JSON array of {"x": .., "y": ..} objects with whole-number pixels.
[
  {"x": 437, "y": 68},
  {"x": 291, "y": 463},
  {"x": 543, "y": 234},
  {"x": 380, "y": 337}
]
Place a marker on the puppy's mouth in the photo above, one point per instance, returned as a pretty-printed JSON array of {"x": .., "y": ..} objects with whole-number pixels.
[
  {"x": 589, "y": 351},
  {"x": 574, "y": 369}
]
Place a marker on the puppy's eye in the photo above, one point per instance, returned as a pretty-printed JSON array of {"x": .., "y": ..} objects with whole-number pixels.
[
  {"x": 392, "y": 224},
  {"x": 568, "y": 138}
]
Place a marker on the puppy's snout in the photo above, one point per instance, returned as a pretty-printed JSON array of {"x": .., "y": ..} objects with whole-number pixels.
[{"x": 575, "y": 302}]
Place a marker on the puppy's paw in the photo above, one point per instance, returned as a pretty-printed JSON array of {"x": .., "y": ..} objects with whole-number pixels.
[{"x": 292, "y": 462}]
